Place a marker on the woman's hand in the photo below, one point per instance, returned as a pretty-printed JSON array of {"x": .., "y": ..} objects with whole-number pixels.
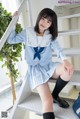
[
  {"x": 15, "y": 13},
  {"x": 68, "y": 67}
]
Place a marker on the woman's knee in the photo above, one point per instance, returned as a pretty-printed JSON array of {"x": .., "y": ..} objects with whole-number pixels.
[{"x": 64, "y": 74}]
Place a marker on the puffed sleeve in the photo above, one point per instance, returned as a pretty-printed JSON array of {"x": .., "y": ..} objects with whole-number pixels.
[
  {"x": 57, "y": 48},
  {"x": 14, "y": 38}
]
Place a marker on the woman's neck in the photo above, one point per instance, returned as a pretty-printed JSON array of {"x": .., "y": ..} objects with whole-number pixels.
[{"x": 39, "y": 34}]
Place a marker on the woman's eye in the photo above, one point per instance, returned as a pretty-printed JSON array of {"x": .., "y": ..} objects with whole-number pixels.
[{"x": 48, "y": 21}]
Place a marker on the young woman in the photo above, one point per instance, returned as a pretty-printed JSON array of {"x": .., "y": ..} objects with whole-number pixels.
[{"x": 39, "y": 41}]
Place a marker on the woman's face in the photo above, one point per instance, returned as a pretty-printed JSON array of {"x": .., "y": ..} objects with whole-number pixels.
[{"x": 44, "y": 24}]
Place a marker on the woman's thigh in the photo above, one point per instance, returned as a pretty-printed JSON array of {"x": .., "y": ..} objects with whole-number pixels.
[{"x": 59, "y": 69}]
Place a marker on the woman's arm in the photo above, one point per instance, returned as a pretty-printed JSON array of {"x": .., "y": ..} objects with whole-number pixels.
[
  {"x": 67, "y": 65},
  {"x": 17, "y": 38},
  {"x": 57, "y": 48}
]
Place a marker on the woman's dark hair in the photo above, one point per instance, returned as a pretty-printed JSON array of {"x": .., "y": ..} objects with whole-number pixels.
[{"x": 49, "y": 14}]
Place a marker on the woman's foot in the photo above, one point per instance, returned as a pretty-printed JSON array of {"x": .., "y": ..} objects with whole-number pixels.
[{"x": 61, "y": 102}]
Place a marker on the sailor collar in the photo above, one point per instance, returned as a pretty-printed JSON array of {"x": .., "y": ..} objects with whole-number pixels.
[{"x": 32, "y": 38}]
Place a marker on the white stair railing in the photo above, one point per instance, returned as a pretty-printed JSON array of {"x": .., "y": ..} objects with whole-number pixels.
[{"x": 11, "y": 25}]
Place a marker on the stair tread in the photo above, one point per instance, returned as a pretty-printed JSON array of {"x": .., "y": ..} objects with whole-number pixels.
[
  {"x": 33, "y": 103},
  {"x": 69, "y": 16},
  {"x": 75, "y": 80},
  {"x": 70, "y": 32},
  {"x": 62, "y": 14},
  {"x": 69, "y": 52}
]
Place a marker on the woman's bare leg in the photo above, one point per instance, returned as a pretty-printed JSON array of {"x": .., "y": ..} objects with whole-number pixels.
[
  {"x": 46, "y": 97},
  {"x": 47, "y": 101}
]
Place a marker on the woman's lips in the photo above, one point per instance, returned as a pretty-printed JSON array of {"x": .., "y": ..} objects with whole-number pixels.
[{"x": 42, "y": 26}]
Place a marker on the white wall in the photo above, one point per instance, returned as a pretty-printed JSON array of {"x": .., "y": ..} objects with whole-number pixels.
[{"x": 38, "y": 5}]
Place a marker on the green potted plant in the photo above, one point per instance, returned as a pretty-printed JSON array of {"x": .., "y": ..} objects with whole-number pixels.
[{"x": 10, "y": 53}]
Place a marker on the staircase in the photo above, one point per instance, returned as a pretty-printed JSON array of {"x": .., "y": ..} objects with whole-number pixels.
[{"x": 30, "y": 101}]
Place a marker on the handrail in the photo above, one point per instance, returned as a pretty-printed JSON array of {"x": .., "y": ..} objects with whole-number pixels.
[
  {"x": 30, "y": 13},
  {"x": 11, "y": 25}
]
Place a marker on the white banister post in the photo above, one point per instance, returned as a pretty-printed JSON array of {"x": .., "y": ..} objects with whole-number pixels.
[{"x": 30, "y": 13}]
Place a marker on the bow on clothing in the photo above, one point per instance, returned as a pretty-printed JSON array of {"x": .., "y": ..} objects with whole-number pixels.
[{"x": 37, "y": 52}]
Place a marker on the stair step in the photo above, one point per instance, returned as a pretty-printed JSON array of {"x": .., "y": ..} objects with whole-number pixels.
[
  {"x": 33, "y": 103},
  {"x": 69, "y": 32},
  {"x": 69, "y": 52},
  {"x": 75, "y": 80},
  {"x": 69, "y": 16},
  {"x": 67, "y": 11}
]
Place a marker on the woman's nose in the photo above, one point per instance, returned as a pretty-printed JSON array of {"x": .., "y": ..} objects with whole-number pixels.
[{"x": 44, "y": 22}]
